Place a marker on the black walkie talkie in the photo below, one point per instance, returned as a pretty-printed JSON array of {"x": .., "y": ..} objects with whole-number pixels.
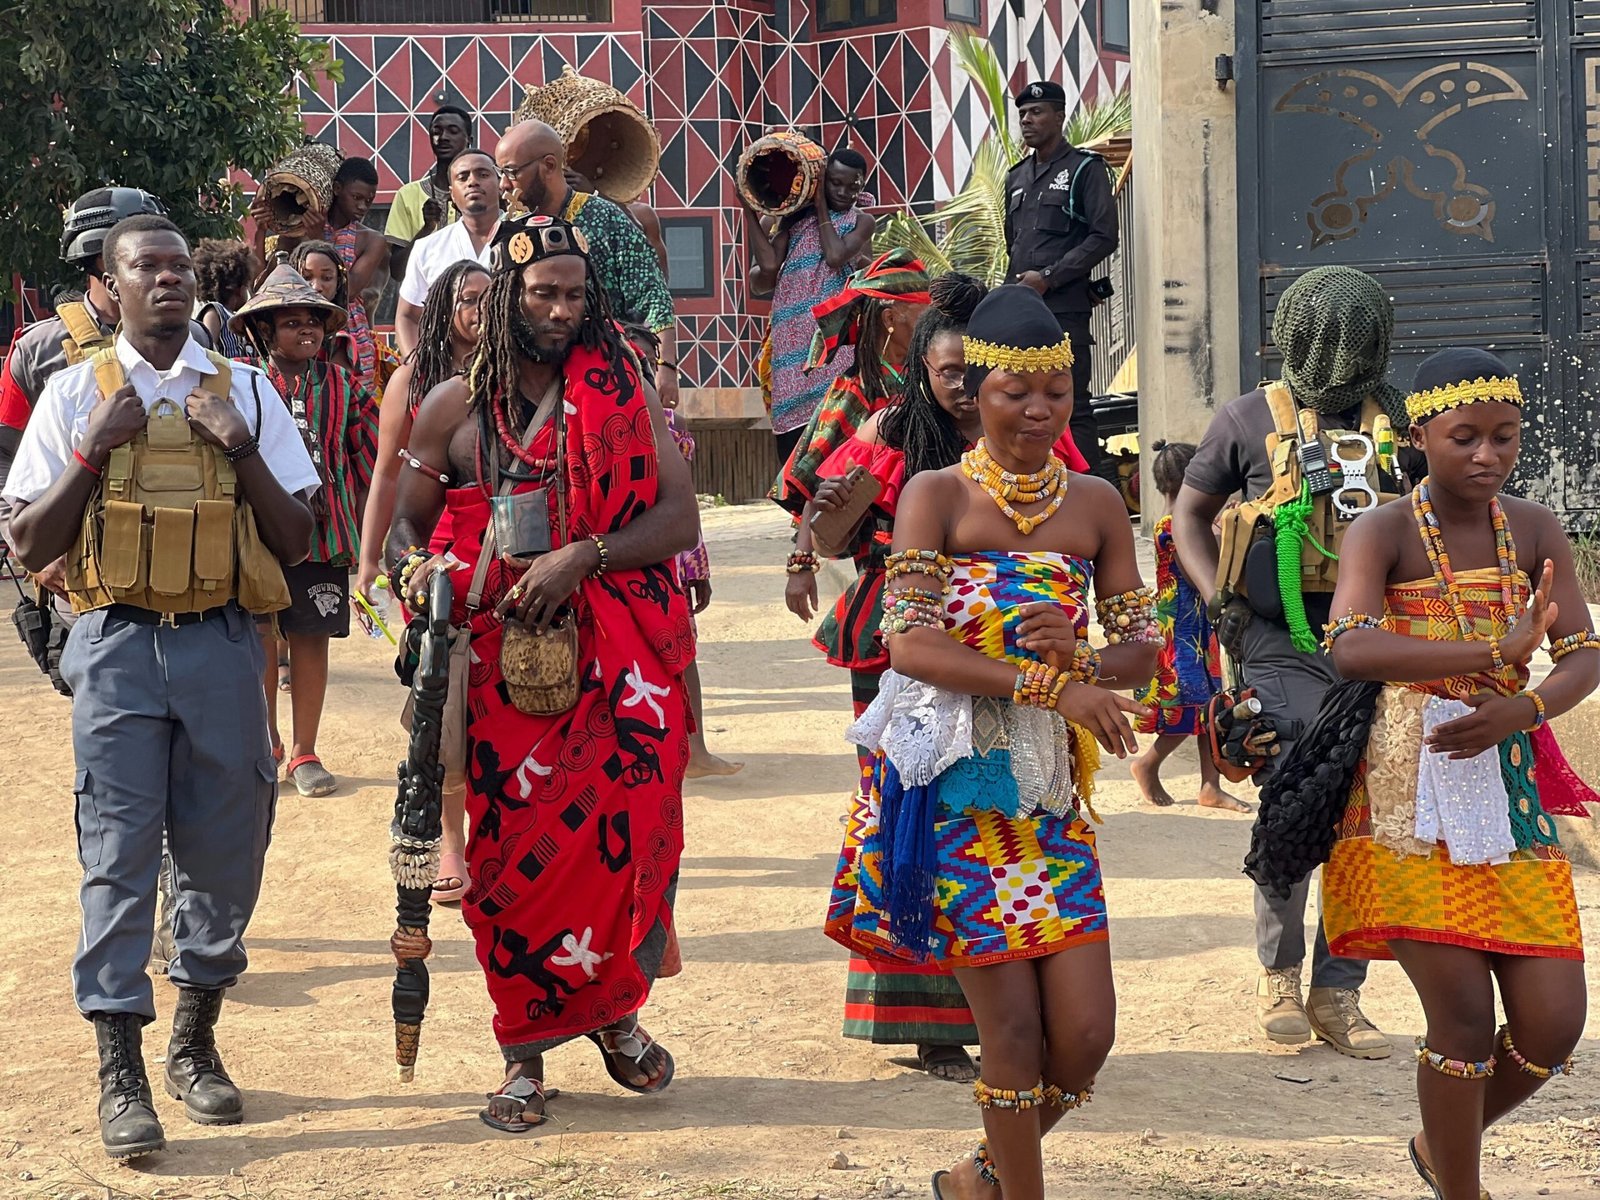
[{"x": 1313, "y": 461}]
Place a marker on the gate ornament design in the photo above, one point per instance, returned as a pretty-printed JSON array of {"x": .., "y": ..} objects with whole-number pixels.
[{"x": 1389, "y": 116}]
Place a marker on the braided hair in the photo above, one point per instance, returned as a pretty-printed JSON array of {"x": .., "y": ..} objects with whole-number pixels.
[
  {"x": 433, "y": 360},
  {"x": 304, "y": 250},
  {"x": 1168, "y": 463},
  {"x": 494, "y": 367},
  {"x": 917, "y": 423}
]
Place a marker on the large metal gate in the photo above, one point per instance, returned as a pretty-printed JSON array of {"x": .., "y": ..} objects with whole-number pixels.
[{"x": 1451, "y": 148}]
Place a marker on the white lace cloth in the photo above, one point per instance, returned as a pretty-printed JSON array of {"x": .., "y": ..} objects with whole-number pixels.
[
  {"x": 1462, "y": 803},
  {"x": 922, "y": 729}
]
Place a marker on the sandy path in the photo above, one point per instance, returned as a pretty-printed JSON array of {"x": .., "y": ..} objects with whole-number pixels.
[{"x": 1192, "y": 1105}]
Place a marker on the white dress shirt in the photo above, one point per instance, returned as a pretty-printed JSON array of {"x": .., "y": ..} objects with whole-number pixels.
[
  {"x": 435, "y": 254},
  {"x": 61, "y": 418}
]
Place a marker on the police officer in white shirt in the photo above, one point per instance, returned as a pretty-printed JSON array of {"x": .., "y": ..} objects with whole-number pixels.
[{"x": 169, "y": 724}]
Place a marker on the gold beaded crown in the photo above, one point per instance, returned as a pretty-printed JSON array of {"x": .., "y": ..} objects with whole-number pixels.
[
  {"x": 1422, "y": 405},
  {"x": 1013, "y": 330},
  {"x": 1456, "y": 377}
]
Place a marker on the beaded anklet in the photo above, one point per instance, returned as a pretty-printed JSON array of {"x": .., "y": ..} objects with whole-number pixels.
[
  {"x": 1584, "y": 639},
  {"x": 1528, "y": 1068},
  {"x": 985, "y": 1166},
  {"x": 1456, "y": 1068},
  {"x": 990, "y": 1097},
  {"x": 1332, "y": 631},
  {"x": 1067, "y": 1101},
  {"x": 1130, "y": 617}
]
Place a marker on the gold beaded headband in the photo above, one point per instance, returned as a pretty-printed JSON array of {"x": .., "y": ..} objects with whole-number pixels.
[
  {"x": 1422, "y": 405},
  {"x": 980, "y": 353}
]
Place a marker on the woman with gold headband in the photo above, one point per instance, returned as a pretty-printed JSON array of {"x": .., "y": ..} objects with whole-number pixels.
[
  {"x": 1445, "y": 857},
  {"x": 987, "y": 735}
]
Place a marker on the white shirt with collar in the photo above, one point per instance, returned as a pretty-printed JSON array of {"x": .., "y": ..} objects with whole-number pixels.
[
  {"x": 61, "y": 418},
  {"x": 435, "y": 254}
]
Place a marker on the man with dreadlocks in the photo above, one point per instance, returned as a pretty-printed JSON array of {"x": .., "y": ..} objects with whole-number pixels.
[
  {"x": 577, "y": 814},
  {"x": 1333, "y": 327}
]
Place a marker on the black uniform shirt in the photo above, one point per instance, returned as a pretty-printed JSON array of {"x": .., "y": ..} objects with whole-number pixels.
[{"x": 1046, "y": 236}]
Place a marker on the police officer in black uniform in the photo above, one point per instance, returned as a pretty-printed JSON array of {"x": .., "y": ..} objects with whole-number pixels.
[{"x": 1061, "y": 222}]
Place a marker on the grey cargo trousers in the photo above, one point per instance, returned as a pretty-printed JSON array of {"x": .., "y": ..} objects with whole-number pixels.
[
  {"x": 169, "y": 732},
  {"x": 1291, "y": 685}
]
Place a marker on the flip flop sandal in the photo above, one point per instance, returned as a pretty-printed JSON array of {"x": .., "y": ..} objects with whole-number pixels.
[
  {"x": 632, "y": 1044},
  {"x": 938, "y": 1192},
  {"x": 1432, "y": 1180},
  {"x": 310, "y": 777},
  {"x": 519, "y": 1091},
  {"x": 444, "y": 890}
]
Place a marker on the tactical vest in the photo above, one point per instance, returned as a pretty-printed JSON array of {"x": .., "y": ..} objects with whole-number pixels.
[
  {"x": 1353, "y": 458},
  {"x": 84, "y": 336},
  {"x": 166, "y": 529}
]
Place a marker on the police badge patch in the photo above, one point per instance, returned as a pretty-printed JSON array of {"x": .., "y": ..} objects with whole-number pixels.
[{"x": 1062, "y": 181}]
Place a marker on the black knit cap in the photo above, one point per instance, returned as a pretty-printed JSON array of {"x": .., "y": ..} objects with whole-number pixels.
[{"x": 1457, "y": 376}]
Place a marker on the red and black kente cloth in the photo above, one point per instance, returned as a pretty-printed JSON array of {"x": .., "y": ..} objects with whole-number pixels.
[{"x": 577, "y": 819}]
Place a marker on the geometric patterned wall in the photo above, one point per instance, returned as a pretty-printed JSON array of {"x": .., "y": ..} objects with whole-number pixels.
[{"x": 713, "y": 78}]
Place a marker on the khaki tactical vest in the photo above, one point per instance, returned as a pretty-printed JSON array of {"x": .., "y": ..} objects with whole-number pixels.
[
  {"x": 1353, "y": 459},
  {"x": 84, "y": 336},
  {"x": 167, "y": 529}
]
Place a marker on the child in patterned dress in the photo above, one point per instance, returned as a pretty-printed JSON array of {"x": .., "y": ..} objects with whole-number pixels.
[{"x": 1189, "y": 673}]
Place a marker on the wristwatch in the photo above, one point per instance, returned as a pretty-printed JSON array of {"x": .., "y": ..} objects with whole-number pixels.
[{"x": 1046, "y": 272}]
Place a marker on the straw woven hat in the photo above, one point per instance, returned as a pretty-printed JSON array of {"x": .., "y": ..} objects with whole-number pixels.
[{"x": 286, "y": 288}]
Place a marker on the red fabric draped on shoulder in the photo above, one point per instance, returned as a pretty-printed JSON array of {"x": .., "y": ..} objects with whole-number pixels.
[{"x": 578, "y": 818}]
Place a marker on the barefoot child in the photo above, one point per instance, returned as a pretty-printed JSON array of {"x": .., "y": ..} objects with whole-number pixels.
[
  {"x": 289, "y": 321},
  {"x": 1188, "y": 674}
]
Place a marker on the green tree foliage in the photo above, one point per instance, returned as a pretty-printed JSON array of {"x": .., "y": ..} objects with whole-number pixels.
[
  {"x": 967, "y": 232},
  {"x": 165, "y": 95}
]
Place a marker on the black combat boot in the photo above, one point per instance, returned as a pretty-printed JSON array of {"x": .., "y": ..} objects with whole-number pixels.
[
  {"x": 195, "y": 1073},
  {"x": 129, "y": 1127}
]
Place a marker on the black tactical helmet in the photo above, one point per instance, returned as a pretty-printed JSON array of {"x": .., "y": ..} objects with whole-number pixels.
[{"x": 93, "y": 214}]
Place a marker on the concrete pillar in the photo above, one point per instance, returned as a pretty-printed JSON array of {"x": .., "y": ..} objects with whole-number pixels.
[{"x": 1185, "y": 221}]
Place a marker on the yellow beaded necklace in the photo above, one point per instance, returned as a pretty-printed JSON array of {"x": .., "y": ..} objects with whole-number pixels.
[{"x": 1004, "y": 486}]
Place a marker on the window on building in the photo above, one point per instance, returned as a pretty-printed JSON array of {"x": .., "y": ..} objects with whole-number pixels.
[
  {"x": 440, "y": 12},
  {"x": 970, "y": 11},
  {"x": 1114, "y": 25},
  {"x": 848, "y": 14},
  {"x": 690, "y": 269}
]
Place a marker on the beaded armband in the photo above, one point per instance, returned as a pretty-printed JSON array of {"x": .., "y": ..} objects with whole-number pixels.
[
  {"x": 1130, "y": 617},
  {"x": 801, "y": 562},
  {"x": 1584, "y": 639},
  {"x": 911, "y": 608},
  {"x": 1332, "y": 631},
  {"x": 930, "y": 563}
]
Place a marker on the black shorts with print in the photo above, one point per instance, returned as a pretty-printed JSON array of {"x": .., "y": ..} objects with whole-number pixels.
[{"x": 319, "y": 600}]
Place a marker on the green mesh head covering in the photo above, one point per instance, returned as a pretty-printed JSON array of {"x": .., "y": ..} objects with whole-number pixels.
[{"x": 1333, "y": 327}]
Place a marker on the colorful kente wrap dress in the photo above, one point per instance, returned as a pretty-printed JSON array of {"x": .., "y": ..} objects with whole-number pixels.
[
  {"x": 341, "y": 431},
  {"x": 889, "y": 1002},
  {"x": 577, "y": 818},
  {"x": 971, "y": 850},
  {"x": 804, "y": 280},
  {"x": 1461, "y": 853},
  {"x": 1189, "y": 671}
]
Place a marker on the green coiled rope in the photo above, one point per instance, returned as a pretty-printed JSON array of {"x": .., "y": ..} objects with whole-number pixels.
[{"x": 1292, "y": 526}]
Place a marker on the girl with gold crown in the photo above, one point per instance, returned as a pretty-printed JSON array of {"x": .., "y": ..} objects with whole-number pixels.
[
  {"x": 988, "y": 732},
  {"x": 1444, "y": 856}
]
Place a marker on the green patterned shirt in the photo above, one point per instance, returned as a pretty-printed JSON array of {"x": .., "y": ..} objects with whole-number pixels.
[{"x": 624, "y": 260}]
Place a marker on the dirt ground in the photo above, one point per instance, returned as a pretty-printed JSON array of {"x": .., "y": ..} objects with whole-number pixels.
[{"x": 1191, "y": 1106}]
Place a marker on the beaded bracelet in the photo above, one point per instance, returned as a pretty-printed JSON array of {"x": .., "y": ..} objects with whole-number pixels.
[
  {"x": 1584, "y": 639},
  {"x": 911, "y": 608},
  {"x": 1035, "y": 680},
  {"x": 1333, "y": 630},
  {"x": 1085, "y": 664},
  {"x": 1130, "y": 617},
  {"x": 801, "y": 562},
  {"x": 1538, "y": 709},
  {"x": 605, "y": 558},
  {"x": 414, "y": 558},
  {"x": 1495, "y": 656}
]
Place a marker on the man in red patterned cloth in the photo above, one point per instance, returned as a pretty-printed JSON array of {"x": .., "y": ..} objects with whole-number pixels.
[{"x": 547, "y": 451}]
